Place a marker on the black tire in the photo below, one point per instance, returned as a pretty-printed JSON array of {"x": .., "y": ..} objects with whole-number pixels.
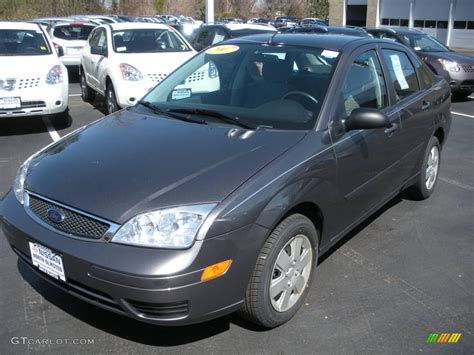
[
  {"x": 420, "y": 190},
  {"x": 462, "y": 94},
  {"x": 258, "y": 306},
  {"x": 111, "y": 104},
  {"x": 87, "y": 93},
  {"x": 62, "y": 120}
]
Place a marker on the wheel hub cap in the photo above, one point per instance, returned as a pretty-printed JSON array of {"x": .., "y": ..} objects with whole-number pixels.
[
  {"x": 432, "y": 168},
  {"x": 291, "y": 273}
]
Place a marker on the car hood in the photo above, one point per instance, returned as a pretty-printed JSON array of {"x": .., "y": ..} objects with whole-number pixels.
[
  {"x": 27, "y": 66},
  {"x": 452, "y": 56},
  {"x": 162, "y": 63},
  {"x": 131, "y": 162}
]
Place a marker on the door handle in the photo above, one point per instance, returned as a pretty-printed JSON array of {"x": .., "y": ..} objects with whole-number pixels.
[
  {"x": 389, "y": 131},
  {"x": 425, "y": 105}
]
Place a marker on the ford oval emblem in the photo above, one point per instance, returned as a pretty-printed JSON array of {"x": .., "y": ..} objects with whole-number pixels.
[{"x": 55, "y": 216}]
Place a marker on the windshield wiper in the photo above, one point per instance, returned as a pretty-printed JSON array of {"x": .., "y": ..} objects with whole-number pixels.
[
  {"x": 215, "y": 114},
  {"x": 159, "y": 110}
]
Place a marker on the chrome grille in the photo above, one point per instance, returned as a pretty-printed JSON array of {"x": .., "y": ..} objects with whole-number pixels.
[
  {"x": 74, "y": 223},
  {"x": 157, "y": 77},
  {"x": 468, "y": 68}
]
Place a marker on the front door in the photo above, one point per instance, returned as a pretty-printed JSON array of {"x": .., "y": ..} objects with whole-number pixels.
[{"x": 366, "y": 159}]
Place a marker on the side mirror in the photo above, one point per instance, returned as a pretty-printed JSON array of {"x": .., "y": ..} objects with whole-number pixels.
[
  {"x": 366, "y": 118},
  {"x": 99, "y": 51},
  {"x": 60, "y": 51}
]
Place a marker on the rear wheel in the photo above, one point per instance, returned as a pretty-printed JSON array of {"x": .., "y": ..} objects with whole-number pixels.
[
  {"x": 283, "y": 272},
  {"x": 428, "y": 177},
  {"x": 111, "y": 99},
  {"x": 87, "y": 93}
]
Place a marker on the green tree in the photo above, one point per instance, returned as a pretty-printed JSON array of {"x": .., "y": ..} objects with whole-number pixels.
[{"x": 318, "y": 8}]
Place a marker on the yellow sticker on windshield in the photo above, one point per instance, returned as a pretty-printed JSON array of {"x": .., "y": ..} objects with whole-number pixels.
[
  {"x": 224, "y": 49},
  {"x": 43, "y": 48}
]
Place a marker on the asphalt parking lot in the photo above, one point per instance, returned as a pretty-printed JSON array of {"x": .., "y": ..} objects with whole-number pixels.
[{"x": 405, "y": 273}]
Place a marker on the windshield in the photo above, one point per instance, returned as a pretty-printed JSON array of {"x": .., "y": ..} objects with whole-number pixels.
[
  {"x": 148, "y": 41},
  {"x": 422, "y": 42},
  {"x": 277, "y": 86},
  {"x": 73, "y": 32},
  {"x": 23, "y": 42}
]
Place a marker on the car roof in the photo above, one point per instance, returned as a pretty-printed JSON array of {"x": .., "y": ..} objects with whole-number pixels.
[
  {"x": 327, "y": 41},
  {"x": 401, "y": 30},
  {"x": 9, "y": 25},
  {"x": 137, "y": 25},
  {"x": 246, "y": 26}
]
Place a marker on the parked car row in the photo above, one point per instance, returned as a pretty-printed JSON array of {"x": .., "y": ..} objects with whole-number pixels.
[{"x": 118, "y": 60}]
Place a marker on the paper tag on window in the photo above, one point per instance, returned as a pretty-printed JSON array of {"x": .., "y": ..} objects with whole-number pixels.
[
  {"x": 397, "y": 68},
  {"x": 329, "y": 54},
  {"x": 179, "y": 94},
  {"x": 121, "y": 49}
]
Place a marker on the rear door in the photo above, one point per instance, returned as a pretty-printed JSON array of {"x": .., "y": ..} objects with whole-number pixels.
[
  {"x": 98, "y": 61},
  {"x": 415, "y": 103},
  {"x": 366, "y": 159}
]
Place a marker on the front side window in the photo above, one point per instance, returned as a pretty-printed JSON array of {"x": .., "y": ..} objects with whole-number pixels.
[
  {"x": 402, "y": 73},
  {"x": 23, "y": 42},
  {"x": 364, "y": 85},
  {"x": 148, "y": 41},
  {"x": 281, "y": 86}
]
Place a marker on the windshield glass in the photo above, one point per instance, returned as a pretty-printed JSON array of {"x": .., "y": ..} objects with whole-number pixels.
[
  {"x": 148, "y": 41},
  {"x": 277, "y": 86},
  {"x": 421, "y": 42},
  {"x": 73, "y": 32},
  {"x": 23, "y": 42}
]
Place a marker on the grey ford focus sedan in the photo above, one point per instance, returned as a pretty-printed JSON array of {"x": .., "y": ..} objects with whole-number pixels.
[{"x": 221, "y": 188}]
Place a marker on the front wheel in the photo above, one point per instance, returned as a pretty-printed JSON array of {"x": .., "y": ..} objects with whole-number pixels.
[
  {"x": 462, "y": 94},
  {"x": 87, "y": 93},
  {"x": 111, "y": 99},
  {"x": 428, "y": 177},
  {"x": 282, "y": 275}
]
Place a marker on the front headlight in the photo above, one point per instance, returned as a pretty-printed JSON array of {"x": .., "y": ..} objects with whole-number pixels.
[
  {"x": 19, "y": 182},
  {"x": 130, "y": 72},
  {"x": 172, "y": 228},
  {"x": 55, "y": 75},
  {"x": 449, "y": 65}
]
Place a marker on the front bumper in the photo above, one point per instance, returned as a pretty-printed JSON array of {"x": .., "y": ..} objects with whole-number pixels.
[
  {"x": 461, "y": 81},
  {"x": 151, "y": 285},
  {"x": 43, "y": 99},
  {"x": 128, "y": 93}
]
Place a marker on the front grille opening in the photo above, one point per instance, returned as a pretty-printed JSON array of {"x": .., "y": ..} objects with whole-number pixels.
[
  {"x": 161, "y": 310},
  {"x": 74, "y": 223}
]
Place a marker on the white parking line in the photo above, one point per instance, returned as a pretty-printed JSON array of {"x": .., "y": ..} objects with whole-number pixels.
[
  {"x": 52, "y": 132},
  {"x": 462, "y": 114},
  {"x": 73, "y": 95}
]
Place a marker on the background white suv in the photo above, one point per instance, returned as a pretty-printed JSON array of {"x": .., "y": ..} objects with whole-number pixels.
[
  {"x": 33, "y": 81},
  {"x": 123, "y": 61}
]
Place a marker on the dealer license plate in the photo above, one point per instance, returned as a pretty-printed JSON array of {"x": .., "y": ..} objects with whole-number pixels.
[
  {"x": 47, "y": 261},
  {"x": 10, "y": 102}
]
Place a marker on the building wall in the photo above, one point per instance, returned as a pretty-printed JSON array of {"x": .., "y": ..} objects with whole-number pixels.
[{"x": 336, "y": 11}]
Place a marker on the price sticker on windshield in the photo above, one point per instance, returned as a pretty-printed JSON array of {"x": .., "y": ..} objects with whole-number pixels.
[
  {"x": 179, "y": 94},
  {"x": 224, "y": 49}
]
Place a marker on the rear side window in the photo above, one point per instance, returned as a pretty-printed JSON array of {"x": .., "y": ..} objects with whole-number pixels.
[
  {"x": 364, "y": 85},
  {"x": 402, "y": 73},
  {"x": 72, "y": 32}
]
